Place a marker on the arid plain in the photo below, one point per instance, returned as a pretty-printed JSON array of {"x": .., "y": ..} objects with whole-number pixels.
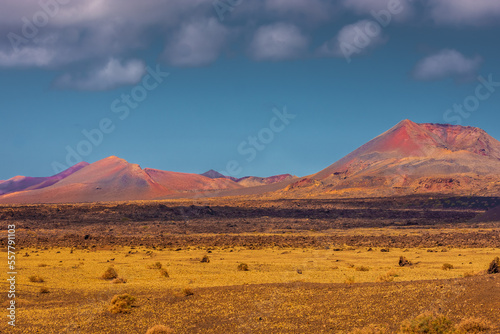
[{"x": 229, "y": 265}]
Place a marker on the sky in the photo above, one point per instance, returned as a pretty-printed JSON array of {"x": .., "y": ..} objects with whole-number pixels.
[{"x": 245, "y": 87}]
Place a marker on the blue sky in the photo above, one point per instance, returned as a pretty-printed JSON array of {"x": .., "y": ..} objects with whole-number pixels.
[{"x": 341, "y": 73}]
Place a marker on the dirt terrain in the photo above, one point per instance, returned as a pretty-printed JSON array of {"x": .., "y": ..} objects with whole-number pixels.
[{"x": 315, "y": 266}]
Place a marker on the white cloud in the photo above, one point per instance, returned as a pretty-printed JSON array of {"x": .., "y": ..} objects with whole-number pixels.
[
  {"x": 28, "y": 56},
  {"x": 113, "y": 74},
  {"x": 311, "y": 10},
  {"x": 398, "y": 10},
  {"x": 458, "y": 12},
  {"x": 196, "y": 43},
  {"x": 447, "y": 63},
  {"x": 278, "y": 41},
  {"x": 353, "y": 40}
]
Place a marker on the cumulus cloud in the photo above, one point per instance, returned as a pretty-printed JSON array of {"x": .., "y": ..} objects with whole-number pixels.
[
  {"x": 113, "y": 74},
  {"x": 447, "y": 63},
  {"x": 310, "y": 10},
  {"x": 196, "y": 43},
  {"x": 399, "y": 10},
  {"x": 354, "y": 40},
  {"x": 49, "y": 34},
  {"x": 26, "y": 57},
  {"x": 278, "y": 41},
  {"x": 456, "y": 12}
]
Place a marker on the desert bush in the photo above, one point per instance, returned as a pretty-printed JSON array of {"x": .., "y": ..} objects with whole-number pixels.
[
  {"x": 403, "y": 262},
  {"x": 187, "y": 292},
  {"x": 388, "y": 277},
  {"x": 362, "y": 268},
  {"x": 157, "y": 265},
  {"x": 164, "y": 273},
  {"x": 119, "y": 280},
  {"x": 473, "y": 325},
  {"x": 428, "y": 323},
  {"x": 243, "y": 267},
  {"x": 205, "y": 259},
  {"x": 371, "y": 329},
  {"x": 160, "y": 329},
  {"x": 469, "y": 274},
  {"x": 44, "y": 290},
  {"x": 349, "y": 280},
  {"x": 494, "y": 267},
  {"x": 36, "y": 279},
  {"x": 110, "y": 273},
  {"x": 121, "y": 303},
  {"x": 447, "y": 266}
]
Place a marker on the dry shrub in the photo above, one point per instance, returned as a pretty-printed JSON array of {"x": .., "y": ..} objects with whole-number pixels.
[
  {"x": 473, "y": 325},
  {"x": 243, "y": 267},
  {"x": 404, "y": 262},
  {"x": 349, "y": 280},
  {"x": 428, "y": 323},
  {"x": 494, "y": 267},
  {"x": 447, "y": 266},
  {"x": 36, "y": 279},
  {"x": 157, "y": 265},
  {"x": 160, "y": 329},
  {"x": 121, "y": 303},
  {"x": 119, "y": 280},
  {"x": 362, "y": 268},
  {"x": 371, "y": 329},
  {"x": 388, "y": 277},
  {"x": 205, "y": 259},
  {"x": 187, "y": 292},
  {"x": 164, "y": 272},
  {"x": 469, "y": 274},
  {"x": 110, "y": 273}
]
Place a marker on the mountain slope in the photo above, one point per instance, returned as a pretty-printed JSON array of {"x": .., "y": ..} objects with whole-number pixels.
[
  {"x": 413, "y": 158},
  {"x": 185, "y": 182},
  {"x": 254, "y": 181},
  {"x": 110, "y": 179},
  {"x": 20, "y": 183}
]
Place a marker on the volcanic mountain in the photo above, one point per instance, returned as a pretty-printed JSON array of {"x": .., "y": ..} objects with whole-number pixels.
[
  {"x": 409, "y": 158},
  {"x": 250, "y": 181},
  {"x": 413, "y": 158},
  {"x": 19, "y": 183},
  {"x": 113, "y": 179}
]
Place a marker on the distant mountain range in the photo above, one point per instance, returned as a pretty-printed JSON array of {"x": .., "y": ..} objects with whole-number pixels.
[
  {"x": 409, "y": 158},
  {"x": 114, "y": 179}
]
